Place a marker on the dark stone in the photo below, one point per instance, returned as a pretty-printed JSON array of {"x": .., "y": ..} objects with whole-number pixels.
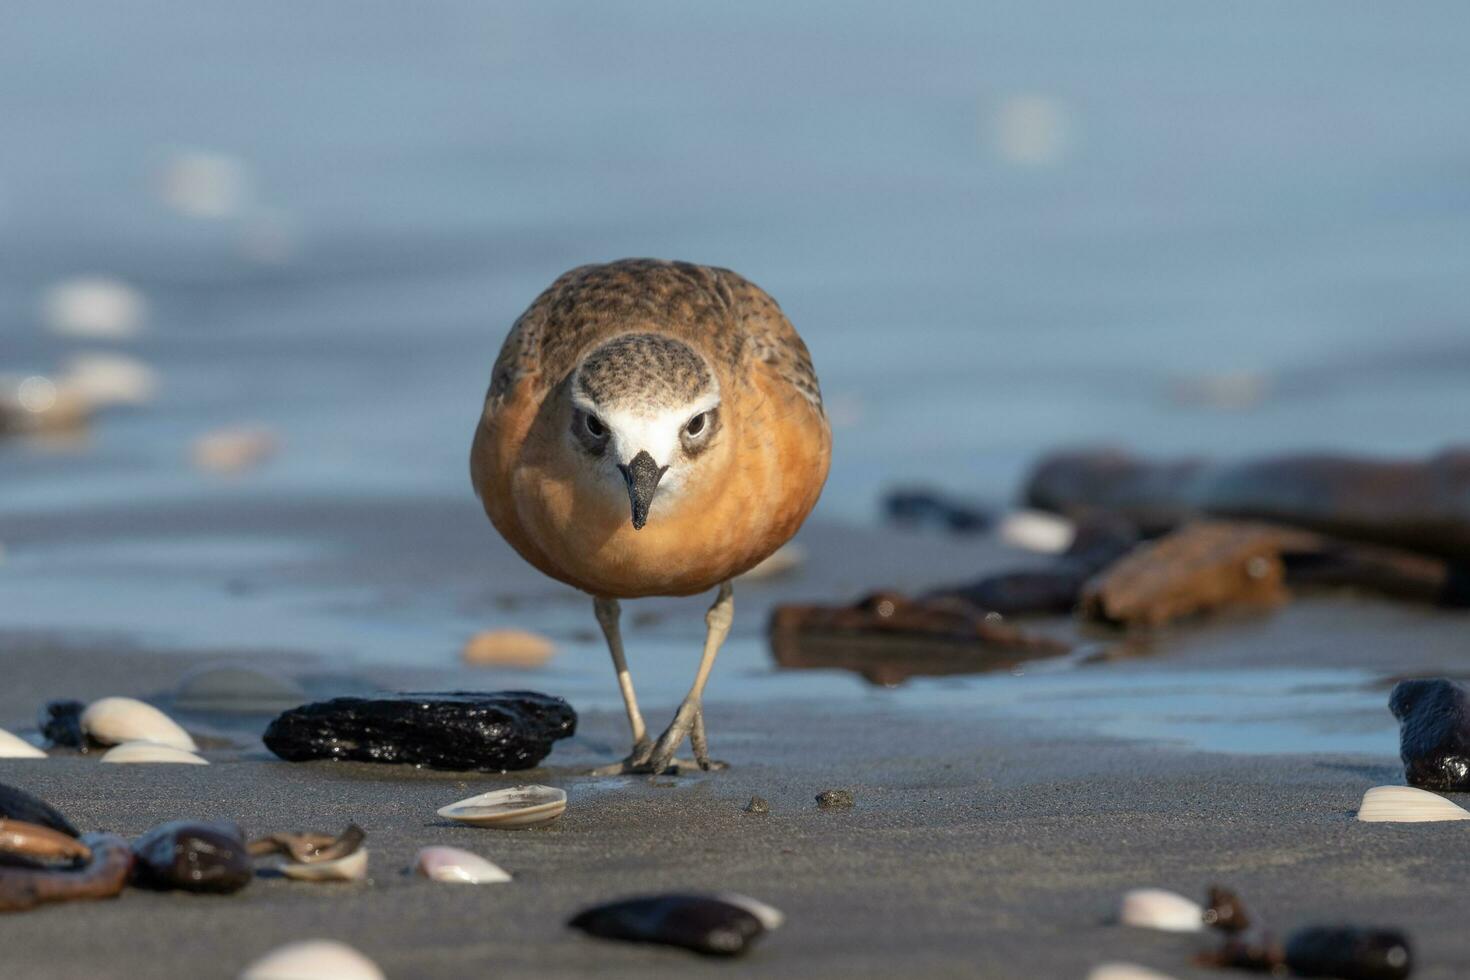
[
  {"x": 61, "y": 723},
  {"x": 757, "y": 805},
  {"x": 195, "y": 857},
  {"x": 920, "y": 506},
  {"x": 17, "y": 804},
  {"x": 1349, "y": 953},
  {"x": 834, "y": 799},
  {"x": 702, "y": 923},
  {"x": 458, "y": 730},
  {"x": 1434, "y": 733},
  {"x": 1226, "y": 912}
]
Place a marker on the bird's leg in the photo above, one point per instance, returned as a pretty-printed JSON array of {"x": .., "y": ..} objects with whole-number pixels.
[
  {"x": 689, "y": 721},
  {"x": 608, "y": 612}
]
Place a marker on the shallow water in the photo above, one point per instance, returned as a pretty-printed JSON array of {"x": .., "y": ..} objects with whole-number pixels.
[{"x": 1000, "y": 227}]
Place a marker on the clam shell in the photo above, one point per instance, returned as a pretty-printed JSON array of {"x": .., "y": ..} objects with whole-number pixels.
[
  {"x": 453, "y": 864},
  {"x": 352, "y": 867},
  {"x": 13, "y": 747},
  {"x": 151, "y": 752},
  {"x": 114, "y": 720},
  {"x": 313, "y": 959},
  {"x": 1154, "y": 908},
  {"x": 1125, "y": 971},
  {"x": 1405, "y": 804},
  {"x": 518, "y": 806},
  {"x": 1035, "y": 530}
]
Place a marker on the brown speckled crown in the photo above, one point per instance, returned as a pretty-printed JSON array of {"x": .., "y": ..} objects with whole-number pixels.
[{"x": 643, "y": 370}]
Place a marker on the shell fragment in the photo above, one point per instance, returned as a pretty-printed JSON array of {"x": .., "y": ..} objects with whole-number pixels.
[
  {"x": 453, "y": 864},
  {"x": 115, "y": 720},
  {"x": 151, "y": 752},
  {"x": 1405, "y": 804},
  {"x": 519, "y": 806},
  {"x": 1154, "y": 908},
  {"x": 352, "y": 867}
]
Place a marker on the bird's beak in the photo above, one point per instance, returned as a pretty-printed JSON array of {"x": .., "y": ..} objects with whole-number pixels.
[{"x": 642, "y": 475}]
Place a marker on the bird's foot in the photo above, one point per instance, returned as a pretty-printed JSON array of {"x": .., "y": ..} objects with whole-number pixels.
[{"x": 658, "y": 758}]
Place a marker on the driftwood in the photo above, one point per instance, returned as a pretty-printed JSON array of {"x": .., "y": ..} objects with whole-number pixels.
[
  {"x": 887, "y": 638},
  {"x": 1416, "y": 505}
]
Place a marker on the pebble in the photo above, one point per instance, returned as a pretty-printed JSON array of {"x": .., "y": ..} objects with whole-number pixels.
[
  {"x": 508, "y": 648},
  {"x": 834, "y": 799},
  {"x": 758, "y": 805}
]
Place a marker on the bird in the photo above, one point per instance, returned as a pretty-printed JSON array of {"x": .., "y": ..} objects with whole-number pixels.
[{"x": 652, "y": 428}]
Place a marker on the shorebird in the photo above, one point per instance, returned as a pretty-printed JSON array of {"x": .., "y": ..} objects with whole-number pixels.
[{"x": 652, "y": 428}]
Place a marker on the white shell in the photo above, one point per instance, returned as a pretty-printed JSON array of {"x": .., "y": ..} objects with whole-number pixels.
[
  {"x": 151, "y": 752},
  {"x": 1154, "y": 908},
  {"x": 1405, "y": 804},
  {"x": 519, "y": 806},
  {"x": 352, "y": 867},
  {"x": 770, "y": 917},
  {"x": 14, "y": 747},
  {"x": 114, "y": 720},
  {"x": 313, "y": 959},
  {"x": 453, "y": 864},
  {"x": 1125, "y": 971},
  {"x": 1036, "y": 530}
]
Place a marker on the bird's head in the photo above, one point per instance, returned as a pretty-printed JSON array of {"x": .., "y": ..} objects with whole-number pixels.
[{"x": 645, "y": 412}]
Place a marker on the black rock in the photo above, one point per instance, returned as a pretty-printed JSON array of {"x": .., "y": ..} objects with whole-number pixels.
[
  {"x": 61, "y": 723},
  {"x": 1349, "y": 953},
  {"x": 458, "y": 730},
  {"x": 704, "y": 923},
  {"x": 1434, "y": 733},
  {"x": 193, "y": 856},
  {"x": 17, "y": 804},
  {"x": 920, "y": 506}
]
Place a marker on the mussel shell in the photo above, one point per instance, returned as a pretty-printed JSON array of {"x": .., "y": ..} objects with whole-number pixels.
[
  {"x": 17, "y": 804},
  {"x": 193, "y": 856},
  {"x": 1349, "y": 952},
  {"x": 703, "y": 923}
]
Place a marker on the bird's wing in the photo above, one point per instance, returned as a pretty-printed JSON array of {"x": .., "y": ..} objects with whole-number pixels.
[{"x": 773, "y": 342}]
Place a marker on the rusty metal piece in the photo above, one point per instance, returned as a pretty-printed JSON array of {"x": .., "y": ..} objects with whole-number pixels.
[
  {"x": 102, "y": 877},
  {"x": 35, "y": 841},
  {"x": 1202, "y": 567},
  {"x": 309, "y": 848},
  {"x": 887, "y": 638}
]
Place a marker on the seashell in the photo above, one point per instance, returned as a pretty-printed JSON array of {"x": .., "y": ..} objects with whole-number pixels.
[
  {"x": 193, "y": 856},
  {"x": 233, "y": 450},
  {"x": 453, "y": 864},
  {"x": 1154, "y": 908},
  {"x": 17, "y": 804},
  {"x": 1035, "y": 530},
  {"x": 771, "y": 917},
  {"x": 310, "y": 848},
  {"x": 313, "y": 959},
  {"x": 114, "y": 720},
  {"x": 507, "y": 648},
  {"x": 717, "y": 925},
  {"x": 101, "y": 380},
  {"x": 352, "y": 867},
  {"x": 151, "y": 752},
  {"x": 1350, "y": 952},
  {"x": 31, "y": 840},
  {"x": 1405, "y": 804},
  {"x": 1125, "y": 971},
  {"x": 12, "y": 747},
  {"x": 519, "y": 806},
  {"x": 94, "y": 306},
  {"x": 103, "y": 876}
]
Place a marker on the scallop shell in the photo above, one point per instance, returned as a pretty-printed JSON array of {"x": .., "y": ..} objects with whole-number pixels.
[
  {"x": 13, "y": 747},
  {"x": 1154, "y": 908},
  {"x": 1125, "y": 971},
  {"x": 518, "y": 806},
  {"x": 151, "y": 752},
  {"x": 453, "y": 864},
  {"x": 1035, "y": 530},
  {"x": 1405, "y": 804},
  {"x": 351, "y": 867},
  {"x": 114, "y": 720},
  {"x": 313, "y": 959}
]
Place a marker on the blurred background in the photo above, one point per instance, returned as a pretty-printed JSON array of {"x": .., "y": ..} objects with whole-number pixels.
[{"x": 257, "y": 259}]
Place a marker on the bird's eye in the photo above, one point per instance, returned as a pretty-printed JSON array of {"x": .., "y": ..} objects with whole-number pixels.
[
  {"x": 594, "y": 425},
  {"x": 696, "y": 424}
]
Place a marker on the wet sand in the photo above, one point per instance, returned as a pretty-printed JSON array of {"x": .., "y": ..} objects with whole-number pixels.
[{"x": 997, "y": 820}]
